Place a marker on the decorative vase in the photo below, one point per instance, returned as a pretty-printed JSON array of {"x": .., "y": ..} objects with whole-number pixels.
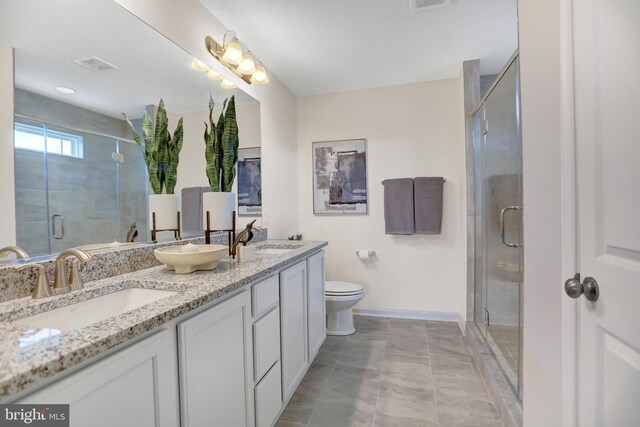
[
  {"x": 220, "y": 206},
  {"x": 166, "y": 208}
]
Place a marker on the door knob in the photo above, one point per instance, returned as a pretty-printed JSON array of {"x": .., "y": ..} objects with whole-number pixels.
[{"x": 589, "y": 287}]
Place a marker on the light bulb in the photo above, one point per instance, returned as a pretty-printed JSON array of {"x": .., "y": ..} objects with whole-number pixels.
[
  {"x": 232, "y": 53},
  {"x": 260, "y": 76},
  {"x": 227, "y": 84},
  {"x": 214, "y": 75},
  {"x": 198, "y": 65},
  {"x": 247, "y": 66}
]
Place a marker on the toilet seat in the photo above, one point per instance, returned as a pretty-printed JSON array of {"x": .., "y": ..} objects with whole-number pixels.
[{"x": 342, "y": 289}]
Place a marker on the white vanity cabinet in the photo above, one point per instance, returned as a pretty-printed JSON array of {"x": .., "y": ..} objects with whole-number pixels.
[
  {"x": 137, "y": 386},
  {"x": 293, "y": 330},
  {"x": 216, "y": 364},
  {"x": 316, "y": 307},
  {"x": 234, "y": 363}
]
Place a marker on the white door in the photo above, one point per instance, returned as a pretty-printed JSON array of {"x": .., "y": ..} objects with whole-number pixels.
[{"x": 606, "y": 60}]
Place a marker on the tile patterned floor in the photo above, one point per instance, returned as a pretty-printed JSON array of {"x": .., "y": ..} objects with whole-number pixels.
[
  {"x": 393, "y": 373},
  {"x": 506, "y": 338}
]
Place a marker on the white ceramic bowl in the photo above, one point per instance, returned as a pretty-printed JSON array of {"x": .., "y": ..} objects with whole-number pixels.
[{"x": 206, "y": 258}]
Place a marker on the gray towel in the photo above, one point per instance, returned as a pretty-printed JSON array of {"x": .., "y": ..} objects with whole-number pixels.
[
  {"x": 428, "y": 204},
  {"x": 398, "y": 206},
  {"x": 191, "y": 210}
]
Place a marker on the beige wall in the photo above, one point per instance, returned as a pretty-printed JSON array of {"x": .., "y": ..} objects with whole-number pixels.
[
  {"x": 411, "y": 130},
  {"x": 539, "y": 33},
  {"x": 7, "y": 192},
  {"x": 187, "y": 22}
]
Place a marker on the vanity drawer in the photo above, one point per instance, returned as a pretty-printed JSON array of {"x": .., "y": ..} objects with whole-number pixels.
[
  {"x": 266, "y": 343},
  {"x": 265, "y": 296},
  {"x": 268, "y": 398}
]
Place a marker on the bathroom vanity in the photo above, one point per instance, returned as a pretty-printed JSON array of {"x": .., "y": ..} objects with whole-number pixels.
[{"x": 228, "y": 348}]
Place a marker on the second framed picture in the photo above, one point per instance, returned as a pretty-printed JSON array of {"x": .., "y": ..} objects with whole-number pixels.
[
  {"x": 249, "y": 182},
  {"x": 340, "y": 177}
]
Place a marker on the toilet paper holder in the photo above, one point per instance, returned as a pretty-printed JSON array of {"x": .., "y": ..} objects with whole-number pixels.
[{"x": 371, "y": 253}]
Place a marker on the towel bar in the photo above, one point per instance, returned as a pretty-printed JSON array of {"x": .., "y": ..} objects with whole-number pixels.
[{"x": 443, "y": 180}]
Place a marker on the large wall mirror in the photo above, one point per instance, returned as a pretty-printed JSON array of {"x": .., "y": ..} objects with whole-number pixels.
[{"x": 80, "y": 177}]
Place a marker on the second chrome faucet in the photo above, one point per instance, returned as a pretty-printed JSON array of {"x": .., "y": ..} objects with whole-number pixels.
[{"x": 62, "y": 282}]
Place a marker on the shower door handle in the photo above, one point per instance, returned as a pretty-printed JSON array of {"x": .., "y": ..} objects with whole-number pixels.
[
  {"x": 502, "y": 238},
  {"x": 53, "y": 227}
]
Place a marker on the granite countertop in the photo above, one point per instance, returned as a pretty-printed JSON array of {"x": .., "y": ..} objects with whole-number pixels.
[{"x": 29, "y": 355}]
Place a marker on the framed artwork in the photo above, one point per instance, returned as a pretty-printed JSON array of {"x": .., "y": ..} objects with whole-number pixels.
[
  {"x": 249, "y": 182},
  {"x": 340, "y": 177}
]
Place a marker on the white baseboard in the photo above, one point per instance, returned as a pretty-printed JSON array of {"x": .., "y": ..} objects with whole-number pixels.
[
  {"x": 440, "y": 316},
  {"x": 462, "y": 324}
]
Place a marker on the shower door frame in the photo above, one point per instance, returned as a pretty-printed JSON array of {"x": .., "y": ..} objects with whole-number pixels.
[{"x": 482, "y": 327}]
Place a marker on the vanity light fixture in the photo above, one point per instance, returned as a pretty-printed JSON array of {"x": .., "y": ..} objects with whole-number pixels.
[
  {"x": 241, "y": 62},
  {"x": 232, "y": 51},
  {"x": 66, "y": 90},
  {"x": 214, "y": 75},
  {"x": 198, "y": 65},
  {"x": 227, "y": 84},
  {"x": 260, "y": 76},
  {"x": 247, "y": 66}
]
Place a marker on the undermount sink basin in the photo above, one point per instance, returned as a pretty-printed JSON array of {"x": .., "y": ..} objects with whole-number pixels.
[
  {"x": 94, "y": 310},
  {"x": 273, "y": 251}
]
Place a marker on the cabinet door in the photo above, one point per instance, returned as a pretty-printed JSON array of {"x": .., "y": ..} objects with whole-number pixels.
[
  {"x": 268, "y": 398},
  {"x": 137, "y": 386},
  {"x": 316, "y": 303},
  {"x": 216, "y": 357},
  {"x": 293, "y": 324}
]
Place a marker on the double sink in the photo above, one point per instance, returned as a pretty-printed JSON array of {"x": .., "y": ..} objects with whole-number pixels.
[
  {"x": 85, "y": 313},
  {"x": 94, "y": 310}
]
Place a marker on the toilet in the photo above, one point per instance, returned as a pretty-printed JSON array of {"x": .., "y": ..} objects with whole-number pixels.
[{"x": 341, "y": 297}]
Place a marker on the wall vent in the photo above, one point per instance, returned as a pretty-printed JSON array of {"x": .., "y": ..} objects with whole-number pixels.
[
  {"x": 94, "y": 63},
  {"x": 417, "y": 5}
]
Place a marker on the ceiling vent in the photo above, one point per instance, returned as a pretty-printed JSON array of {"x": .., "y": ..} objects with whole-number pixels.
[
  {"x": 94, "y": 63},
  {"x": 418, "y": 5}
]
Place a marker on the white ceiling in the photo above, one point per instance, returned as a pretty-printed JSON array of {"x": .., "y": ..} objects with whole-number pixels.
[
  {"x": 335, "y": 45},
  {"x": 48, "y": 35}
]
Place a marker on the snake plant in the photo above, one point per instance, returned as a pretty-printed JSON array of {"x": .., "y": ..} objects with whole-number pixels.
[
  {"x": 161, "y": 152},
  {"x": 221, "y": 151}
]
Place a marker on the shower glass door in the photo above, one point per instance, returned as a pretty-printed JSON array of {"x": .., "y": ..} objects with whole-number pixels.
[
  {"x": 499, "y": 248},
  {"x": 82, "y": 188}
]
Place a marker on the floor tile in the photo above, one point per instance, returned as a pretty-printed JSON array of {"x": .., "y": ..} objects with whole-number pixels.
[
  {"x": 395, "y": 412},
  {"x": 349, "y": 413},
  {"x": 393, "y": 373}
]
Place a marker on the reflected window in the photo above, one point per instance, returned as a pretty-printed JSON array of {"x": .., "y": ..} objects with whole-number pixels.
[{"x": 35, "y": 138}]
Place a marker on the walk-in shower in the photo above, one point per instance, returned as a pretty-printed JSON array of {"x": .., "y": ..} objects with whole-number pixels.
[{"x": 498, "y": 222}]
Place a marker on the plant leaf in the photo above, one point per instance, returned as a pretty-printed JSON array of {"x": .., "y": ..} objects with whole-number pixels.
[
  {"x": 174, "y": 157},
  {"x": 229, "y": 146},
  {"x": 210, "y": 152},
  {"x": 162, "y": 140}
]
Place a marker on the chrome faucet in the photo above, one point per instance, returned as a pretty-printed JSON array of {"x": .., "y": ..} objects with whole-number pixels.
[
  {"x": 61, "y": 284},
  {"x": 244, "y": 237},
  {"x": 21, "y": 253}
]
